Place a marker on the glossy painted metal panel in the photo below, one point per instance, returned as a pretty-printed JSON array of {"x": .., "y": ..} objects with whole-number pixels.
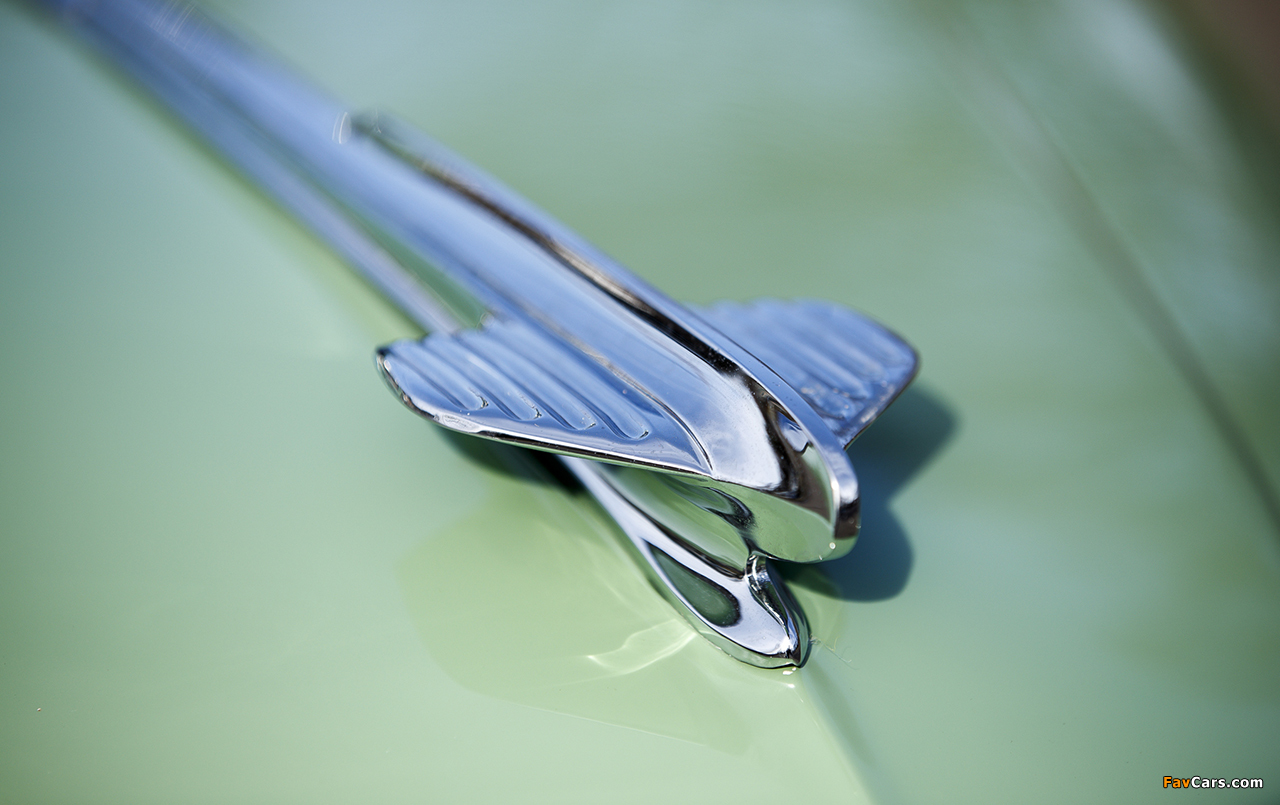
[{"x": 231, "y": 569}]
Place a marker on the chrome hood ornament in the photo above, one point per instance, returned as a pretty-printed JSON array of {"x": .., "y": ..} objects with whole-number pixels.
[{"x": 714, "y": 437}]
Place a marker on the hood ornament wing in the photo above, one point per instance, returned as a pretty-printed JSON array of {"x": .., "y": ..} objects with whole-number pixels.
[{"x": 714, "y": 438}]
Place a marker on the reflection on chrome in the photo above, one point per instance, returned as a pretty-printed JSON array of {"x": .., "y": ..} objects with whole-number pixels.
[{"x": 714, "y": 438}]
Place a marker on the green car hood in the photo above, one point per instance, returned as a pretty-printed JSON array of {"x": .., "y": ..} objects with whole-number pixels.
[{"x": 233, "y": 569}]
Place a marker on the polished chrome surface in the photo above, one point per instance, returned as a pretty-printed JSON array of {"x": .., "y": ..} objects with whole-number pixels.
[
  {"x": 719, "y": 434},
  {"x": 743, "y": 609},
  {"x": 845, "y": 366}
]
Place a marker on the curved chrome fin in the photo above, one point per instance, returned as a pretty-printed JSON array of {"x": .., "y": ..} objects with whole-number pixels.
[
  {"x": 511, "y": 382},
  {"x": 846, "y": 366}
]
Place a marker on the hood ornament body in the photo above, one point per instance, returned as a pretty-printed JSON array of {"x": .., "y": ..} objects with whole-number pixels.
[{"x": 714, "y": 437}]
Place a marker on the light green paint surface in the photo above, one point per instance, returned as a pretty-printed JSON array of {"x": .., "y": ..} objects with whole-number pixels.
[{"x": 234, "y": 569}]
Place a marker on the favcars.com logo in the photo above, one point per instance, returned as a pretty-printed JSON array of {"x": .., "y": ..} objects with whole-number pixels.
[{"x": 1211, "y": 782}]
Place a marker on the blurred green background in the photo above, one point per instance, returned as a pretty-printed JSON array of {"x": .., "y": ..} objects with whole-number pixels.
[{"x": 234, "y": 569}]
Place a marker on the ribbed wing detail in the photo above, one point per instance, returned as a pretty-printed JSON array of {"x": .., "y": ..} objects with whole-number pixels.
[
  {"x": 845, "y": 365},
  {"x": 513, "y": 382}
]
